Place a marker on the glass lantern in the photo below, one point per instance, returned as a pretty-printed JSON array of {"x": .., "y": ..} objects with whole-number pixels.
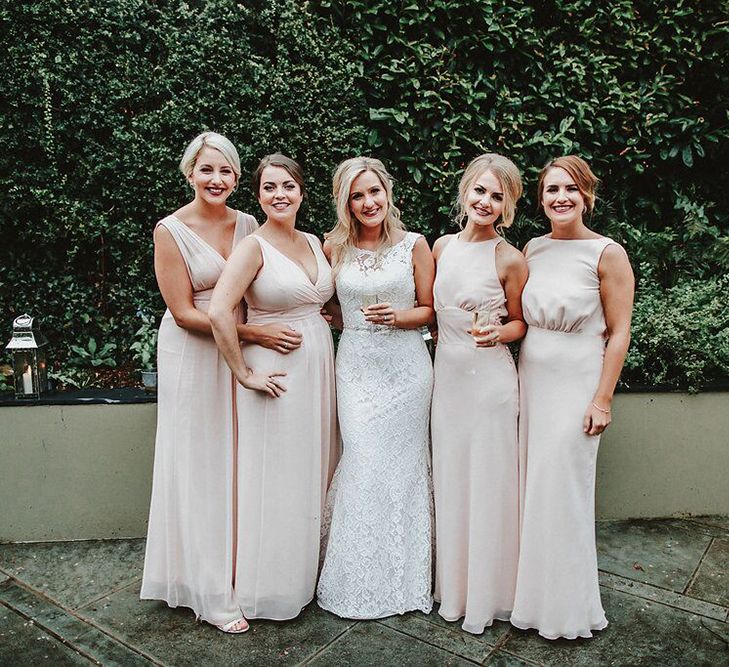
[{"x": 29, "y": 358}]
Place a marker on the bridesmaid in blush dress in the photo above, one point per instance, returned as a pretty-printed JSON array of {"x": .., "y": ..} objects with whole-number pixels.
[
  {"x": 475, "y": 401},
  {"x": 286, "y": 404},
  {"x": 190, "y": 551},
  {"x": 579, "y": 295}
]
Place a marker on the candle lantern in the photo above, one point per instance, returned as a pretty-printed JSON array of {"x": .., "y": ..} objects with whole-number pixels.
[{"x": 29, "y": 358}]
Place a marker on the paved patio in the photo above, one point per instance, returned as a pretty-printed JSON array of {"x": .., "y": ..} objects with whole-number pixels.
[{"x": 665, "y": 588}]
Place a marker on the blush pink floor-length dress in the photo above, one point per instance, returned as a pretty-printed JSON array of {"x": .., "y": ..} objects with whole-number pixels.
[
  {"x": 475, "y": 446},
  {"x": 289, "y": 446},
  {"x": 190, "y": 550},
  {"x": 560, "y": 363}
]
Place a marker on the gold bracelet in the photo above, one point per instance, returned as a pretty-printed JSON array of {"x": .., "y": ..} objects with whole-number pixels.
[{"x": 595, "y": 405}]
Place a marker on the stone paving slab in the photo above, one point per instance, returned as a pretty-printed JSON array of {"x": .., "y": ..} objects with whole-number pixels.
[
  {"x": 74, "y": 573},
  {"x": 655, "y": 594},
  {"x": 640, "y": 633},
  {"x": 663, "y": 553},
  {"x": 373, "y": 643},
  {"x": 87, "y": 640},
  {"x": 448, "y": 636},
  {"x": 172, "y": 636},
  {"x": 720, "y": 522},
  {"x": 504, "y": 659},
  {"x": 712, "y": 578},
  {"x": 83, "y": 600},
  {"x": 23, "y": 644}
]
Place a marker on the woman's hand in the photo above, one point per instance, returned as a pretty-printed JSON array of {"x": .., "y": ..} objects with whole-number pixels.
[
  {"x": 279, "y": 337},
  {"x": 487, "y": 336},
  {"x": 265, "y": 382},
  {"x": 380, "y": 313},
  {"x": 597, "y": 419}
]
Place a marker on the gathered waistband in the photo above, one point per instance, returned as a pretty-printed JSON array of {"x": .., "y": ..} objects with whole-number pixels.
[{"x": 578, "y": 334}]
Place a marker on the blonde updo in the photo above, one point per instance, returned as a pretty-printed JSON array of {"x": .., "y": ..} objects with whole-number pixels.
[
  {"x": 211, "y": 140},
  {"x": 508, "y": 175}
]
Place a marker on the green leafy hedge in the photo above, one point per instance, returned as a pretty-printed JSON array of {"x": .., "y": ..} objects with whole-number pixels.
[
  {"x": 680, "y": 337},
  {"x": 103, "y": 96}
]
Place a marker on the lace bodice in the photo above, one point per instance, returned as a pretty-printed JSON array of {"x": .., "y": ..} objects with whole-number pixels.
[{"x": 388, "y": 275}]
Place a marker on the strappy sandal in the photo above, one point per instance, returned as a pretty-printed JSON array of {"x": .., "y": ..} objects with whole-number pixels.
[{"x": 231, "y": 628}]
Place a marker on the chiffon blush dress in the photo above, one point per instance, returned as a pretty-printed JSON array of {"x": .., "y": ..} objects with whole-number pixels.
[
  {"x": 560, "y": 363},
  {"x": 190, "y": 551},
  {"x": 289, "y": 445},
  {"x": 475, "y": 445}
]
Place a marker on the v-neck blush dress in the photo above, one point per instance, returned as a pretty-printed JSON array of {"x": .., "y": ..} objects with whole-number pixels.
[
  {"x": 289, "y": 445},
  {"x": 475, "y": 444},
  {"x": 560, "y": 362},
  {"x": 190, "y": 552}
]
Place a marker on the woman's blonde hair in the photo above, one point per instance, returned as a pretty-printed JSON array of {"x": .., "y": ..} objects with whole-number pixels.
[
  {"x": 580, "y": 171},
  {"x": 213, "y": 140},
  {"x": 345, "y": 234},
  {"x": 507, "y": 174}
]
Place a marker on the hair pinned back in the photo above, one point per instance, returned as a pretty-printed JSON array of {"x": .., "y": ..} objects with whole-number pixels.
[
  {"x": 278, "y": 160},
  {"x": 508, "y": 175},
  {"x": 581, "y": 173},
  {"x": 211, "y": 140}
]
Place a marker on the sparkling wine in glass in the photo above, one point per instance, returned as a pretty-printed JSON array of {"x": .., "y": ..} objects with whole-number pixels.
[{"x": 481, "y": 319}]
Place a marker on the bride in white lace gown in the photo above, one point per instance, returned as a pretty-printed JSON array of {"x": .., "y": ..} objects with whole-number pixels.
[{"x": 377, "y": 558}]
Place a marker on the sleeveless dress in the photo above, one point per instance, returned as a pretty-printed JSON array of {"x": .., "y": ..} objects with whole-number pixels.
[
  {"x": 560, "y": 362},
  {"x": 190, "y": 542},
  {"x": 289, "y": 445},
  {"x": 377, "y": 560},
  {"x": 475, "y": 444}
]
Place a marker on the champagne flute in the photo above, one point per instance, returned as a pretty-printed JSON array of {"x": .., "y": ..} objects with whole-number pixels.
[
  {"x": 369, "y": 299},
  {"x": 481, "y": 319}
]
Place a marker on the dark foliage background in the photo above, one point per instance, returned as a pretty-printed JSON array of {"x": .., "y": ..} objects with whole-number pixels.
[{"x": 102, "y": 97}]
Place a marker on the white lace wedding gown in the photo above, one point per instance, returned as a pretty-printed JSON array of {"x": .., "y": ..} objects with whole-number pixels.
[{"x": 378, "y": 554}]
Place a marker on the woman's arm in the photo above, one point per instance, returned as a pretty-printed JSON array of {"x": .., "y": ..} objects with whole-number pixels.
[
  {"x": 513, "y": 274},
  {"x": 423, "y": 313},
  {"x": 332, "y": 307},
  {"x": 239, "y": 272},
  {"x": 617, "y": 286},
  {"x": 174, "y": 283}
]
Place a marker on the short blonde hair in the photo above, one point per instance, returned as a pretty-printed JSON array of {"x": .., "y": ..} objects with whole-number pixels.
[
  {"x": 345, "y": 234},
  {"x": 212, "y": 140},
  {"x": 580, "y": 171},
  {"x": 508, "y": 175}
]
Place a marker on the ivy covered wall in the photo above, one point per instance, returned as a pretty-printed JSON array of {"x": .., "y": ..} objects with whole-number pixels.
[{"x": 102, "y": 97}]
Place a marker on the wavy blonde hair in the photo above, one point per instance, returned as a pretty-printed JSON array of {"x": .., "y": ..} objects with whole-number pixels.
[
  {"x": 508, "y": 175},
  {"x": 345, "y": 234}
]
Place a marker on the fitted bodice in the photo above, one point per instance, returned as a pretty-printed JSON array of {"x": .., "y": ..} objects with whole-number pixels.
[
  {"x": 563, "y": 290},
  {"x": 386, "y": 275},
  {"x": 282, "y": 291},
  {"x": 466, "y": 281},
  {"x": 203, "y": 262}
]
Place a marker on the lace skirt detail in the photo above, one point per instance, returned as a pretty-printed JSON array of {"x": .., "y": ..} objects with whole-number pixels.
[{"x": 378, "y": 520}]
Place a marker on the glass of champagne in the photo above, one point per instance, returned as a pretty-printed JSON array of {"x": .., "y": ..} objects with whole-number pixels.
[
  {"x": 481, "y": 319},
  {"x": 369, "y": 299}
]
